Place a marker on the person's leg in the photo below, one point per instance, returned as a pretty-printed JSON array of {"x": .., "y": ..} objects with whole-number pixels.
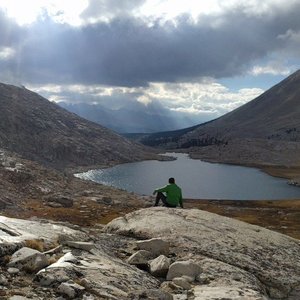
[
  {"x": 162, "y": 197},
  {"x": 169, "y": 205}
]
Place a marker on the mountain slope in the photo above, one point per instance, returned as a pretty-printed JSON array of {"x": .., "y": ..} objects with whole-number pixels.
[
  {"x": 39, "y": 130},
  {"x": 265, "y": 130},
  {"x": 274, "y": 115}
]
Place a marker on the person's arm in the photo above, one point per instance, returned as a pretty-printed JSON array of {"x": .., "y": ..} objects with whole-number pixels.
[
  {"x": 180, "y": 200},
  {"x": 163, "y": 189}
]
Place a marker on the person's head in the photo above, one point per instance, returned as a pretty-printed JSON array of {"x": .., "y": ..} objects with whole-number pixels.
[{"x": 171, "y": 180}]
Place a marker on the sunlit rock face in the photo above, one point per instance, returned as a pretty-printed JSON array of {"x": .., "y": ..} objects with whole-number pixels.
[
  {"x": 232, "y": 255},
  {"x": 199, "y": 255}
]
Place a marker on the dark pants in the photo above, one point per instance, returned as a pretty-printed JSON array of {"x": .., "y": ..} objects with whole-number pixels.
[{"x": 163, "y": 198}]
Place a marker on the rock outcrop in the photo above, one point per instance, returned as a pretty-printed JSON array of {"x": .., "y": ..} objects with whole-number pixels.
[
  {"x": 79, "y": 268},
  {"x": 228, "y": 259},
  {"x": 199, "y": 256}
]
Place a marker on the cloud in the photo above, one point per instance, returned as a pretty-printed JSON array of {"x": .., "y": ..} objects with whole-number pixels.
[
  {"x": 202, "y": 101},
  {"x": 6, "y": 53},
  {"x": 127, "y": 51},
  {"x": 272, "y": 68},
  {"x": 105, "y": 10}
]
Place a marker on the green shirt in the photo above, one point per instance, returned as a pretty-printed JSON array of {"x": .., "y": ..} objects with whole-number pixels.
[{"x": 173, "y": 193}]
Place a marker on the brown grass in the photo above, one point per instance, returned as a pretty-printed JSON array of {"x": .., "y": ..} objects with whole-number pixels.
[
  {"x": 279, "y": 215},
  {"x": 282, "y": 171},
  {"x": 52, "y": 260},
  {"x": 35, "y": 244},
  {"x": 93, "y": 213}
]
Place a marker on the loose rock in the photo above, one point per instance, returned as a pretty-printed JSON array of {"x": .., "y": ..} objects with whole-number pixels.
[
  {"x": 183, "y": 268},
  {"x": 86, "y": 246},
  {"x": 180, "y": 281},
  {"x": 159, "y": 266},
  {"x": 140, "y": 258},
  {"x": 28, "y": 259},
  {"x": 72, "y": 290},
  {"x": 156, "y": 246},
  {"x": 150, "y": 294}
]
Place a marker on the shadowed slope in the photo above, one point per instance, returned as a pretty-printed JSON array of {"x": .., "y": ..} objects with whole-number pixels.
[{"x": 39, "y": 130}]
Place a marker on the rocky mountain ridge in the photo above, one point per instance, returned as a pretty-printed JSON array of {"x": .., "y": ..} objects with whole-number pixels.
[{"x": 39, "y": 130}]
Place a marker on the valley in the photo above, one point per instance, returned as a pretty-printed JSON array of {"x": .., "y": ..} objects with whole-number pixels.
[{"x": 41, "y": 151}]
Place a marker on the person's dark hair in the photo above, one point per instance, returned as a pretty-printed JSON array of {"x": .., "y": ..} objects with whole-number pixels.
[{"x": 171, "y": 180}]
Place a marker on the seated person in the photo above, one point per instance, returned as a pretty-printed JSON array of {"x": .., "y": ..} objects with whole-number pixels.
[{"x": 172, "y": 196}]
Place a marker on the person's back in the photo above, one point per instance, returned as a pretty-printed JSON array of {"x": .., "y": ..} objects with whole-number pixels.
[{"x": 173, "y": 195}]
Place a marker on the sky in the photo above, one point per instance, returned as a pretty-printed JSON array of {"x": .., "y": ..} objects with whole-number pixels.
[{"x": 202, "y": 58}]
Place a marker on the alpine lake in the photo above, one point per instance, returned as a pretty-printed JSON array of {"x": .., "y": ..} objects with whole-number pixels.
[{"x": 198, "y": 179}]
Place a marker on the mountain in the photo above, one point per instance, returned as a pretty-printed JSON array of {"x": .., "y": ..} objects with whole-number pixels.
[
  {"x": 39, "y": 130},
  {"x": 131, "y": 116},
  {"x": 265, "y": 130}
]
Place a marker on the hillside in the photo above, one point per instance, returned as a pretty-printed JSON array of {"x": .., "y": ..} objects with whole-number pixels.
[
  {"x": 266, "y": 130},
  {"x": 39, "y": 130}
]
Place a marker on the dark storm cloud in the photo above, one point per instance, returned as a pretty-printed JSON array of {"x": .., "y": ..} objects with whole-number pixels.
[{"x": 127, "y": 51}]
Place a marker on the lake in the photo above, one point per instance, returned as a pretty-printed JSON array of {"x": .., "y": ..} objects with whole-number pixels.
[{"x": 198, "y": 179}]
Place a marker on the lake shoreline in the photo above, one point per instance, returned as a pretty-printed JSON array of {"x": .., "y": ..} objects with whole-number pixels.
[
  {"x": 223, "y": 180},
  {"x": 292, "y": 173}
]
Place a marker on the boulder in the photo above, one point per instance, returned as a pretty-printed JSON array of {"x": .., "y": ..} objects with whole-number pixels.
[
  {"x": 105, "y": 200},
  {"x": 7, "y": 248},
  {"x": 159, "y": 266},
  {"x": 172, "y": 288},
  {"x": 152, "y": 294},
  {"x": 183, "y": 268},
  {"x": 112, "y": 278},
  {"x": 71, "y": 290},
  {"x": 28, "y": 259},
  {"x": 86, "y": 246},
  {"x": 182, "y": 282},
  {"x": 65, "y": 261},
  {"x": 14, "y": 231},
  {"x": 16, "y": 297},
  {"x": 53, "y": 276},
  {"x": 156, "y": 246},
  {"x": 225, "y": 292},
  {"x": 3, "y": 280},
  {"x": 100, "y": 270},
  {"x": 231, "y": 253},
  {"x": 13, "y": 271},
  {"x": 61, "y": 200},
  {"x": 140, "y": 258}
]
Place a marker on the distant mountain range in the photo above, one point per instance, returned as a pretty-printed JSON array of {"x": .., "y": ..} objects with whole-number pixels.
[
  {"x": 40, "y": 130},
  {"x": 265, "y": 130},
  {"x": 132, "y": 117}
]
